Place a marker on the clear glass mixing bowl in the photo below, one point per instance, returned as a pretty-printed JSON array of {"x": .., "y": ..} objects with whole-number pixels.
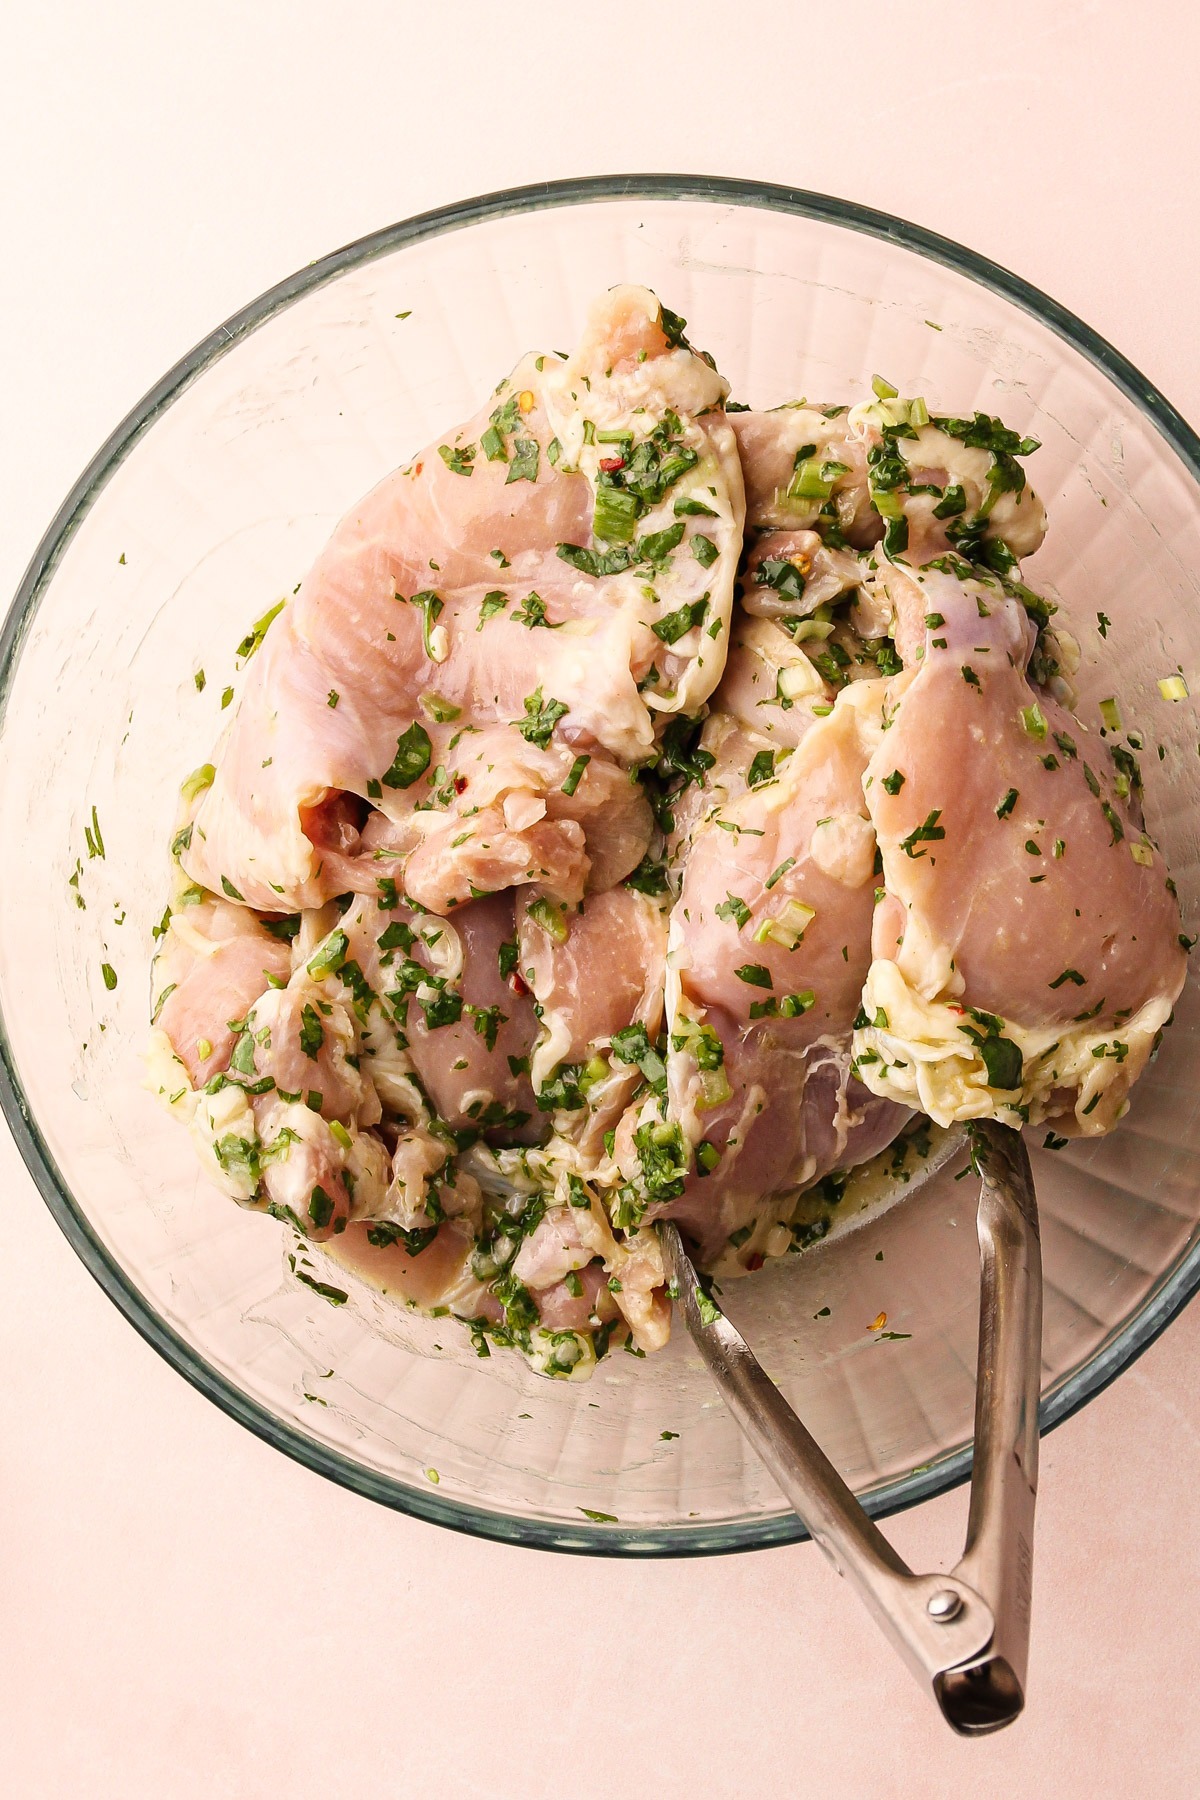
[{"x": 208, "y": 503}]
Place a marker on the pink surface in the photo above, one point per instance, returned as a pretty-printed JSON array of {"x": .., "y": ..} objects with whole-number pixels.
[{"x": 186, "y": 1614}]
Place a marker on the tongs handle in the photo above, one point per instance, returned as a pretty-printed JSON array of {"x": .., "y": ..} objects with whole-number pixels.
[
  {"x": 998, "y": 1558},
  {"x": 967, "y": 1633}
]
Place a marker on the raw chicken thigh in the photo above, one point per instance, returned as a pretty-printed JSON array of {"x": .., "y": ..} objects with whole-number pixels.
[
  {"x": 641, "y": 811},
  {"x": 771, "y": 945},
  {"x": 458, "y": 576},
  {"x": 1027, "y": 952}
]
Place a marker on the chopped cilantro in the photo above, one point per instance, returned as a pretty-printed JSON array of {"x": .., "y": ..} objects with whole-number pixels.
[
  {"x": 677, "y": 624},
  {"x": 541, "y": 716},
  {"x": 458, "y": 461},
  {"x": 320, "y": 1208},
  {"x": 658, "y": 545},
  {"x": 733, "y": 908},
  {"x": 531, "y": 612},
  {"x": 413, "y": 753},
  {"x": 632, "y": 1045},
  {"x": 929, "y": 832},
  {"x": 576, "y": 774},
  {"x": 285, "y": 928},
  {"x": 952, "y": 503},
  {"x": 443, "y": 1007},
  {"x": 783, "y": 576},
  {"x": 330, "y": 956},
  {"x": 312, "y": 1035},
  {"x": 650, "y": 877},
  {"x": 336, "y": 1296}
]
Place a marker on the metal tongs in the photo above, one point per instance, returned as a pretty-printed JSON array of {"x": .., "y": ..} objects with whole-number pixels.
[{"x": 966, "y": 1633}]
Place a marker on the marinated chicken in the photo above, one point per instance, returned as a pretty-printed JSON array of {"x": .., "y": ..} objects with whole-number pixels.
[{"x": 647, "y": 807}]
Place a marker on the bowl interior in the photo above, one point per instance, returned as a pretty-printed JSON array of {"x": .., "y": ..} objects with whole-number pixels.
[{"x": 207, "y": 508}]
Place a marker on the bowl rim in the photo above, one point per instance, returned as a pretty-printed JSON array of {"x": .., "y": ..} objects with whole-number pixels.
[{"x": 1083, "y": 1383}]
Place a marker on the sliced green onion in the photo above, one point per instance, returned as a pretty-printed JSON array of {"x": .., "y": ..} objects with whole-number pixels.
[
  {"x": 442, "y": 712},
  {"x": 888, "y": 505},
  {"x": 615, "y": 516},
  {"x": 543, "y": 912},
  {"x": 198, "y": 780},
  {"x": 799, "y": 678},
  {"x": 810, "y": 481},
  {"x": 714, "y": 1089},
  {"x": 809, "y": 630},
  {"x": 788, "y": 927},
  {"x": 594, "y": 1069},
  {"x": 258, "y": 631}
]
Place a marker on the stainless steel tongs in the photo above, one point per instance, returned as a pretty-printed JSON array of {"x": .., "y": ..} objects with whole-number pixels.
[{"x": 966, "y": 1633}]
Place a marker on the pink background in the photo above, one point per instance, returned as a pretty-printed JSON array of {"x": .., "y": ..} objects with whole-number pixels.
[{"x": 188, "y": 1615}]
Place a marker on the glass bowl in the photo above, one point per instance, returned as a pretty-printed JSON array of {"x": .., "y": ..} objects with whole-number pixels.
[{"x": 207, "y": 504}]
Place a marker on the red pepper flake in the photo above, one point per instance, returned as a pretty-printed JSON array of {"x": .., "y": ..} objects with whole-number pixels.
[
  {"x": 460, "y": 784},
  {"x": 517, "y": 983},
  {"x": 419, "y": 466},
  {"x": 610, "y": 464},
  {"x": 756, "y": 1261}
]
